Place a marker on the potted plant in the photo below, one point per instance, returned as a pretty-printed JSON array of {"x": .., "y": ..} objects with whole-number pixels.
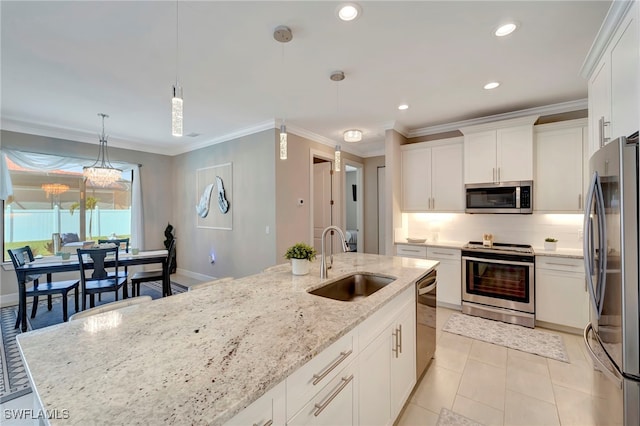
[
  {"x": 300, "y": 254},
  {"x": 550, "y": 244}
]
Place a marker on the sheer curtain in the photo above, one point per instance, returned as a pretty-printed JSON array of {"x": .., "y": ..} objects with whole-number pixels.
[
  {"x": 5, "y": 180},
  {"x": 137, "y": 222}
]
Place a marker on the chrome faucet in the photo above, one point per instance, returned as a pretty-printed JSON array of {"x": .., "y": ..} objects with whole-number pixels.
[{"x": 345, "y": 248}]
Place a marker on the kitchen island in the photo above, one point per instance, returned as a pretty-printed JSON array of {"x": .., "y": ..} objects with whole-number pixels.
[{"x": 200, "y": 357}]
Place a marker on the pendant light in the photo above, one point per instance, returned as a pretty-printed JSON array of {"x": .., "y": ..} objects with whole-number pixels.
[
  {"x": 283, "y": 35},
  {"x": 176, "y": 99},
  {"x": 102, "y": 173},
  {"x": 337, "y": 76}
]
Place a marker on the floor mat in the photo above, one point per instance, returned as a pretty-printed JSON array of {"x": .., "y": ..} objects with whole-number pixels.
[
  {"x": 450, "y": 418},
  {"x": 543, "y": 343}
]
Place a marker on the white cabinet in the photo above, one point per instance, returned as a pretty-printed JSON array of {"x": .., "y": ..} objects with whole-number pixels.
[
  {"x": 499, "y": 152},
  {"x": 406, "y": 250},
  {"x": 449, "y": 292},
  {"x": 403, "y": 358},
  {"x": 613, "y": 71},
  {"x": 561, "y": 291},
  {"x": 269, "y": 409},
  {"x": 387, "y": 361},
  {"x": 432, "y": 176},
  {"x": 559, "y": 158},
  {"x": 335, "y": 404}
]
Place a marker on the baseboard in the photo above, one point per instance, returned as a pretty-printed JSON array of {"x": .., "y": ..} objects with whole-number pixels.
[
  {"x": 9, "y": 300},
  {"x": 559, "y": 327},
  {"x": 194, "y": 275}
]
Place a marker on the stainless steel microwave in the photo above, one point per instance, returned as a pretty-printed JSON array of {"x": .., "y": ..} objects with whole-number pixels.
[{"x": 503, "y": 197}]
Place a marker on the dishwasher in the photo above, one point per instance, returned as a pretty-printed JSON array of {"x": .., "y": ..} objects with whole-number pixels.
[{"x": 426, "y": 287}]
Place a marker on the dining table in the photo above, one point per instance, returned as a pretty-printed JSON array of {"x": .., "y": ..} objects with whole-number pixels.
[{"x": 54, "y": 264}]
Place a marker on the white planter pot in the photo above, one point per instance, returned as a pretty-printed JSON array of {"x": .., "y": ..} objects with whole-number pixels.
[
  {"x": 300, "y": 266},
  {"x": 549, "y": 246}
]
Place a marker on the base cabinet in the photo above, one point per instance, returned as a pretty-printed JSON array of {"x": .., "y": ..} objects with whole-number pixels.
[
  {"x": 269, "y": 409},
  {"x": 449, "y": 292},
  {"x": 561, "y": 292},
  {"x": 403, "y": 359}
]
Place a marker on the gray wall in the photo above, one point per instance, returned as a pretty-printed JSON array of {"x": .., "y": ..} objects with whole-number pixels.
[
  {"x": 155, "y": 178},
  {"x": 351, "y": 206},
  {"x": 247, "y": 248},
  {"x": 371, "y": 165}
]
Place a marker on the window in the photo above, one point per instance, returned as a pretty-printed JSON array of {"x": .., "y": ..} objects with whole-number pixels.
[{"x": 51, "y": 208}]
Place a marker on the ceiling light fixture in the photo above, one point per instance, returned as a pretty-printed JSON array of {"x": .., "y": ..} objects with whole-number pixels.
[
  {"x": 176, "y": 98},
  {"x": 337, "y": 76},
  {"x": 491, "y": 85},
  {"x": 54, "y": 188},
  {"x": 102, "y": 173},
  {"x": 403, "y": 107},
  {"x": 353, "y": 135},
  {"x": 505, "y": 30},
  {"x": 283, "y": 35},
  {"x": 349, "y": 11}
]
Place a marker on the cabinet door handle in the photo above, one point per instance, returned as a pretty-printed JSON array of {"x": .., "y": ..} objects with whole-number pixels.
[
  {"x": 400, "y": 338},
  {"x": 494, "y": 175},
  {"x": 343, "y": 356},
  {"x": 320, "y": 407},
  {"x": 395, "y": 342},
  {"x": 433, "y": 204},
  {"x": 601, "y": 125},
  {"x": 498, "y": 174},
  {"x": 580, "y": 201}
]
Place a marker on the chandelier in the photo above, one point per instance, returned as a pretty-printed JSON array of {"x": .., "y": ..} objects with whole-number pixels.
[
  {"x": 54, "y": 188},
  {"x": 102, "y": 173}
]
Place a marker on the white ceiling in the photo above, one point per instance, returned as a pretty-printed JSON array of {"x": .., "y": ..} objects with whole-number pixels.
[{"x": 63, "y": 62}]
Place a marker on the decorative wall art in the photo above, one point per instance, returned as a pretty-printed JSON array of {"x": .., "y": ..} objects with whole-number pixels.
[{"x": 214, "y": 182}]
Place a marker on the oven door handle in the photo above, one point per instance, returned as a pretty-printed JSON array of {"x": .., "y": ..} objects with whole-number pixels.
[
  {"x": 426, "y": 290},
  {"x": 503, "y": 262}
]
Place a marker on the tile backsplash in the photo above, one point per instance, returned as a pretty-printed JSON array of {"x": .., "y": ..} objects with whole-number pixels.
[{"x": 506, "y": 228}]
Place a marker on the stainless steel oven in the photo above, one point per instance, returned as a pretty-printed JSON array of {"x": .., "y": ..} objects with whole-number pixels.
[{"x": 499, "y": 282}]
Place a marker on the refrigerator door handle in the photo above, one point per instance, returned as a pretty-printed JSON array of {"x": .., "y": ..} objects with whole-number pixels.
[
  {"x": 588, "y": 242},
  {"x": 611, "y": 375},
  {"x": 602, "y": 245}
]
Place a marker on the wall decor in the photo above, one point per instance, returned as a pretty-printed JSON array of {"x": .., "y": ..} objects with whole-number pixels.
[{"x": 219, "y": 177}]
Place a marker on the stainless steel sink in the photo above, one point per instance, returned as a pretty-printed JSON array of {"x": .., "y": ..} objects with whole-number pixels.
[{"x": 353, "y": 287}]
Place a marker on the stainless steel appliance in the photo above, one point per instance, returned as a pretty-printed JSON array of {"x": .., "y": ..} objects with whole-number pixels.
[
  {"x": 426, "y": 288},
  {"x": 611, "y": 263},
  {"x": 498, "y": 282},
  {"x": 503, "y": 197}
]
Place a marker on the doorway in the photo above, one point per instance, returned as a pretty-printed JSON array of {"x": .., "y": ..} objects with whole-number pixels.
[{"x": 353, "y": 205}]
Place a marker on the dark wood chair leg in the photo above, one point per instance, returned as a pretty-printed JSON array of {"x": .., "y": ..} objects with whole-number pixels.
[
  {"x": 34, "y": 308},
  {"x": 19, "y": 316},
  {"x": 49, "y": 302},
  {"x": 64, "y": 307}
]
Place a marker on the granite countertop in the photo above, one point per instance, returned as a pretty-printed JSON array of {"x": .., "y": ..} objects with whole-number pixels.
[
  {"x": 200, "y": 357},
  {"x": 559, "y": 252},
  {"x": 441, "y": 244}
]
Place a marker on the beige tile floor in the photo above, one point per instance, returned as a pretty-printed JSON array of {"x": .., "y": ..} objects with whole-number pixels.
[{"x": 495, "y": 385}]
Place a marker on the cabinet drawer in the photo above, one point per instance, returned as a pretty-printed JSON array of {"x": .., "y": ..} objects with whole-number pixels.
[
  {"x": 334, "y": 404},
  {"x": 443, "y": 253},
  {"x": 411, "y": 251},
  {"x": 565, "y": 264},
  {"x": 309, "y": 379}
]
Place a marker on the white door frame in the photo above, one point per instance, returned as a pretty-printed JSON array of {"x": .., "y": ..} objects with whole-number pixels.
[
  {"x": 337, "y": 182},
  {"x": 359, "y": 201}
]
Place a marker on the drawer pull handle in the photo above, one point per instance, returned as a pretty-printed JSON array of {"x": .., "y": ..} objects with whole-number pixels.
[
  {"x": 321, "y": 407},
  {"x": 343, "y": 356},
  {"x": 413, "y": 251},
  {"x": 442, "y": 253},
  {"x": 561, "y": 264},
  {"x": 267, "y": 423}
]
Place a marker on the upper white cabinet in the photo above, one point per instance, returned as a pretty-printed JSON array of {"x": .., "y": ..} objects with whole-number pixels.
[
  {"x": 432, "y": 176},
  {"x": 559, "y": 157},
  {"x": 612, "y": 68},
  {"x": 499, "y": 152}
]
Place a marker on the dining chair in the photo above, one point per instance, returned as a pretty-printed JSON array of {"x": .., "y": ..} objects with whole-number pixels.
[
  {"x": 156, "y": 274},
  {"x": 119, "y": 242},
  {"x": 22, "y": 255},
  {"x": 208, "y": 284},
  {"x": 100, "y": 280},
  {"x": 110, "y": 307}
]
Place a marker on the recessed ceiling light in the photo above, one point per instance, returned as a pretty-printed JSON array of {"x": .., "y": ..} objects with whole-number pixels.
[
  {"x": 491, "y": 85},
  {"x": 505, "y": 29},
  {"x": 403, "y": 107},
  {"x": 348, "y": 11}
]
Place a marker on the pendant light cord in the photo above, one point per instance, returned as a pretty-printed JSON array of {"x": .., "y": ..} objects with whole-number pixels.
[{"x": 177, "y": 32}]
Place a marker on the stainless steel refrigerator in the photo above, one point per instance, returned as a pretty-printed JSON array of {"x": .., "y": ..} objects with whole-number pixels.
[{"x": 611, "y": 263}]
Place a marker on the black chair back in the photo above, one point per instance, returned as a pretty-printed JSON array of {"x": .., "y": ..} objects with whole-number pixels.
[
  {"x": 98, "y": 257},
  {"x": 171, "y": 256},
  {"x": 21, "y": 256},
  {"x": 119, "y": 242}
]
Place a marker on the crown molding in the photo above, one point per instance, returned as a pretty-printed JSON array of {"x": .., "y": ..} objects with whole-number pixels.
[
  {"x": 245, "y": 131},
  {"x": 394, "y": 125},
  {"x": 540, "y": 111},
  {"x": 612, "y": 21}
]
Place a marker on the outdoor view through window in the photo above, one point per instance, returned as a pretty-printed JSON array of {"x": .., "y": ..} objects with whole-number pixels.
[{"x": 57, "y": 210}]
